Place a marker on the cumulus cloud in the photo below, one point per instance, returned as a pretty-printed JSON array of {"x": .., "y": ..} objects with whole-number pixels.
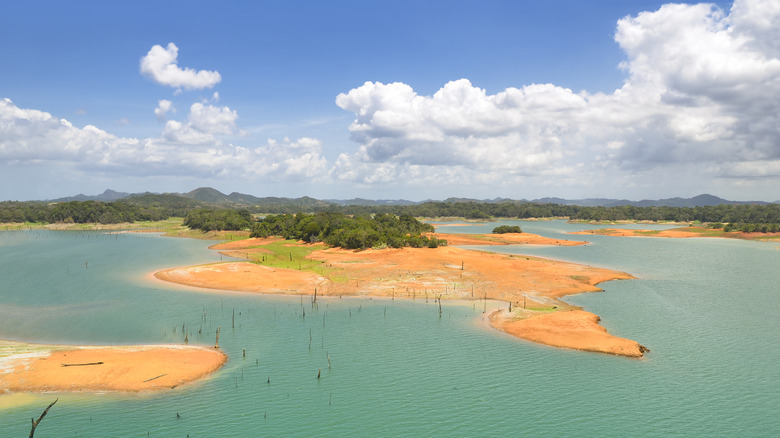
[
  {"x": 160, "y": 64},
  {"x": 703, "y": 86},
  {"x": 193, "y": 148},
  {"x": 205, "y": 123},
  {"x": 164, "y": 106}
]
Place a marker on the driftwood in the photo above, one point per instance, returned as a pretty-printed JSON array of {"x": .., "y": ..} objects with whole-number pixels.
[
  {"x": 157, "y": 377},
  {"x": 36, "y": 423},
  {"x": 81, "y": 364}
]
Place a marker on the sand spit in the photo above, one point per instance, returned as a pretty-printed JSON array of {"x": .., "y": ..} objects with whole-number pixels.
[
  {"x": 505, "y": 239},
  {"x": 532, "y": 285},
  {"x": 682, "y": 233},
  {"x": 576, "y": 329},
  {"x": 245, "y": 277},
  {"x": 55, "y": 368}
]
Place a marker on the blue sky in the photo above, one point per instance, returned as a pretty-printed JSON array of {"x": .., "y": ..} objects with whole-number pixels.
[{"x": 415, "y": 100}]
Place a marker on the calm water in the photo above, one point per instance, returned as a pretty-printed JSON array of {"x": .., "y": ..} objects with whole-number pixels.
[{"x": 707, "y": 308}]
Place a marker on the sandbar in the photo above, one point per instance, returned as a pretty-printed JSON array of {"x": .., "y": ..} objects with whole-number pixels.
[
  {"x": 505, "y": 239},
  {"x": 138, "y": 368},
  {"x": 532, "y": 286},
  {"x": 681, "y": 233}
]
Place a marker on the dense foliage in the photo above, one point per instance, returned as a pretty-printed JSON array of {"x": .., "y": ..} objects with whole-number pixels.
[
  {"x": 205, "y": 219},
  {"x": 78, "y": 212},
  {"x": 504, "y": 229},
  {"x": 356, "y": 232},
  {"x": 724, "y": 213},
  {"x": 753, "y": 228},
  {"x": 149, "y": 206}
]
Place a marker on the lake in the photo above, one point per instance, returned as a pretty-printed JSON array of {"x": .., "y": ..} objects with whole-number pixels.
[{"x": 707, "y": 309}]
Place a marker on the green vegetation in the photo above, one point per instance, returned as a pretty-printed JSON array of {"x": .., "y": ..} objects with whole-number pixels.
[
  {"x": 286, "y": 254},
  {"x": 753, "y": 227},
  {"x": 205, "y": 219},
  {"x": 155, "y": 207},
  {"x": 356, "y": 232},
  {"x": 504, "y": 229}
]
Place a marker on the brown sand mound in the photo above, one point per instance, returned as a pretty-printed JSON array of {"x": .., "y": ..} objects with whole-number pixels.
[
  {"x": 505, "y": 239},
  {"x": 136, "y": 368},
  {"x": 244, "y": 276},
  {"x": 575, "y": 329},
  {"x": 673, "y": 233}
]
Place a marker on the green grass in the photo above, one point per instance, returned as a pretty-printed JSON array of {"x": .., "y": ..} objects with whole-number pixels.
[
  {"x": 290, "y": 257},
  {"x": 647, "y": 232}
]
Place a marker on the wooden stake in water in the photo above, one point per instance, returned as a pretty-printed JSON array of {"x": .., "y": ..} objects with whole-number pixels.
[{"x": 216, "y": 344}]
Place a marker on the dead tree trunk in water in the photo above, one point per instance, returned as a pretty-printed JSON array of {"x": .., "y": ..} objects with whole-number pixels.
[{"x": 36, "y": 423}]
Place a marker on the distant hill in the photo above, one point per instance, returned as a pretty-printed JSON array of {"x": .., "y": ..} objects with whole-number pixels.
[
  {"x": 369, "y": 202},
  {"x": 107, "y": 196},
  {"x": 207, "y": 194},
  {"x": 696, "y": 201},
  {"x": 211, "y": 196}
]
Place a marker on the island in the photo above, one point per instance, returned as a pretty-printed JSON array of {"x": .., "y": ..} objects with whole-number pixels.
[
  {"x": 528, "y": 290},
  {"x": 28, "y": 367}
]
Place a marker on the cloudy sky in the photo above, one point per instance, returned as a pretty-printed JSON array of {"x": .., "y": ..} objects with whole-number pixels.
[{"x": 403, "y": 99}]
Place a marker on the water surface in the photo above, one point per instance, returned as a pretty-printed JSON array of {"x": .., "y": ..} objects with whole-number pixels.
[{"x": 707, "y": 308}]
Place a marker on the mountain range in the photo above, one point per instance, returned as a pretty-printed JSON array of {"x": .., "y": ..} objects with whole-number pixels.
[{"x": 210, "y": 195}]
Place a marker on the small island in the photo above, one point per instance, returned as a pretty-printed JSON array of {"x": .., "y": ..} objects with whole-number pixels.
[
  {"x": 137, "y": 368},
  {"x": 527, "y": 290}
]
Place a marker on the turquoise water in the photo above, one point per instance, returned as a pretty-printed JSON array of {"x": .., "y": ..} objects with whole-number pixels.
[{"x": 707, "y": 308}]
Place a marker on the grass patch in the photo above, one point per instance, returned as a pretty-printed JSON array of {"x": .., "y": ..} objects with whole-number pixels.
[
  {"x": 647, "y": 232},
  {"x": 289, "y": 254}
]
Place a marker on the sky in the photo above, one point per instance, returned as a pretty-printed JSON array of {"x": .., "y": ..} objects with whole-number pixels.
[{"x": 391, "y": 100}]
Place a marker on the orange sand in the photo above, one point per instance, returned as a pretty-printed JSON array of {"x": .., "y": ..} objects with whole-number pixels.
[
  {"x": 504, "y": 239},
  {"x": 243, "y": 276},
  {"x": 573, "y": 329},
  {"x": 682, "y": 232},
  {"x": 447, "y": 272},
  {"x": 123, "y": 368},
  {"x": 673, "y": 233}
]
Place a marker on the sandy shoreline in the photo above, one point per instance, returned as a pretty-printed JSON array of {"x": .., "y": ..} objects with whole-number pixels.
[
  {"x": 534, "y": 286},
  {"x": 681, "y": 233},
  {"x": 136, "y": 368}
]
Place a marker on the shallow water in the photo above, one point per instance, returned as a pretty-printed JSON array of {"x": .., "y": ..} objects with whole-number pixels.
[{"x": 707, "y": 308}]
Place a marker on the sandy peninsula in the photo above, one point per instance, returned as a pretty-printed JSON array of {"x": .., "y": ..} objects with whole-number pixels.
[
  {"x": 532, "y": 286},
  {"x": 682, "y": 233},
  {"x": 55, "y": 368}
]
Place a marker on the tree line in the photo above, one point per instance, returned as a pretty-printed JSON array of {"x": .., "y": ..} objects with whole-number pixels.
[
  {"x": 351, "y": 232},
  {"x": 207, "y": 219},
  {"x": 158, "y": 207},
  {"x": 79, "y": 212}
]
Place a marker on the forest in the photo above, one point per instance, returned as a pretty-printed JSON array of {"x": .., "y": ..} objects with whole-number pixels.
[
  {"x": 205, "y": 215},
  {"x": 351, "y": 232}
]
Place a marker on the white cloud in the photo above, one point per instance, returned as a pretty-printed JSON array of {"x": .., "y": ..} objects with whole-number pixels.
[
  {"x": 193, "y": 149},
  {"x": 164, "y": 106},
  {"x": 160, "y": 64},
  {"x": 703, "y": 86},
  {"x": 212, "y": 119},
  {"x": 205, "y": 123}
]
